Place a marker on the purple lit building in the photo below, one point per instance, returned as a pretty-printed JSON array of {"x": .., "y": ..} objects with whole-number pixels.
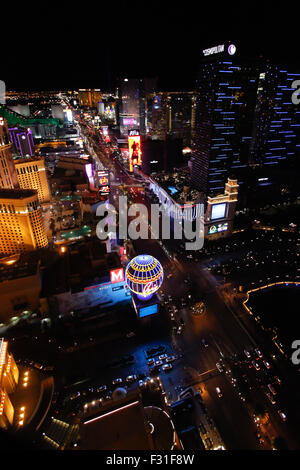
[{"x": 22, "y": 141}]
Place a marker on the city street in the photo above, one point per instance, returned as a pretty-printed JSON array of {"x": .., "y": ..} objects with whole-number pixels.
[{"x": 218, "y": 327}]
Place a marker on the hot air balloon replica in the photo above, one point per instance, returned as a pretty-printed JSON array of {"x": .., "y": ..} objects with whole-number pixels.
[{"x": 144, "y": 276}]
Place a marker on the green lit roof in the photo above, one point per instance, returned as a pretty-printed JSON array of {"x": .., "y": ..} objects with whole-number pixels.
[{"x": 14, "y": 118}]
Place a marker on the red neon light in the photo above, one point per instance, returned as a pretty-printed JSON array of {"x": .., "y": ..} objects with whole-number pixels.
[{"x": 117, "y": 275}]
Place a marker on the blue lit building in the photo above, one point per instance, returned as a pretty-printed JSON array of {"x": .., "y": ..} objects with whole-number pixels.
[
  {"x": 224, "y": 111},
  {"x": 277, "y": 119}
]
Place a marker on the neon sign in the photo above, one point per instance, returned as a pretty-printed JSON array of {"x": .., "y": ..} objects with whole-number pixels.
[
  {"x": 117, "y": 275},
  {"x": 213, "y": 50},
  {"x": 134, "y": 147}
]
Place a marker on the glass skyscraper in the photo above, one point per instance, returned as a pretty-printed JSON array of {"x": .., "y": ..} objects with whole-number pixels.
[
  {"x": 225, "y": 104},
  {"x": 277, "y": 119}
]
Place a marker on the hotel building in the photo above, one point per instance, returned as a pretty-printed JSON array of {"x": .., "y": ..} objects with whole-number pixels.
[
  {"x": 9, "y": 377},
  {"x": 89, "y": 98},
  {"x": 22, "y": 141},
  {"x": 21, "y": 223},
  {"x": 8, "y": 175},
  {"x": 224, "y": 113},
  {"x": 31, "y": 173}
]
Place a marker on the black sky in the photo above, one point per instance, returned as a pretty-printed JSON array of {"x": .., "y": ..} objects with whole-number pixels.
[{"x": 83, "y": 45}]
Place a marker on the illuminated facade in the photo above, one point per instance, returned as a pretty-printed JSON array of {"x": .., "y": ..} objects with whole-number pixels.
[
  {"x": 9, "y": 377},
  {"x": 224, "y": 113},
  {"x": 21, "y": 223},
  {"x": 22, "y": 141},
  {"x": 132, "y": 106},
  {"x": 8, "y": 175},
  {"x": 277, "y": 119},
  {"x": 31, "y": 173},
  {"x": 171, "y": 114},
  {"x": 89, "y": 98},
  {"x": 144, "y": 276},
  {"x": 219, "y": 215},
  {"x": 134, "y": 148}
]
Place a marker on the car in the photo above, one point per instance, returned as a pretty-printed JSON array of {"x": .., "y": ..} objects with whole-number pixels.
[
  {"x": 266, "y": 364},
  {"x": 282, "y": 415},
  {"x": 270, "y": 397},
  {"x": 179, "y": 330},
  {"x": 131, "y": 378},
  {"x": 167, "y": 367},
  {"x": 150, "y": 362},
  {"x": 171, "y": 359},
  {"x": 141, "y": 383},
  {"x": 204, "y": 342},
  {"x": 162, "y": 357},
  {"x": 117, "y": 381},
  {"x": 272, "y": 389},
  {"x": 258, "y": 352},
  {"x": 219, "y": 393},
  {"x": 102, "y": 388},
  {"x": 219, "y": 367},
  {"x": 256, "y": 365},
  {"x": 278, "y": 380},
  {"x": 158, "y": 363},
  {"x": 247, "y": 354},
  {"x": 130, "y": 334}
]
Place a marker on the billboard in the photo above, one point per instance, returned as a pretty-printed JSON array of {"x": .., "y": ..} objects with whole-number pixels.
[
  {"x": 128, "y": 121},
  {"x": 103, "y": 181},
  {"x": 134, "y": 148},
  {"x": 116, "y": 275},
  {"x": 217, "y": 228},
  {"x": 218, "y": 211},
  {"x": 149, "y": 310}
]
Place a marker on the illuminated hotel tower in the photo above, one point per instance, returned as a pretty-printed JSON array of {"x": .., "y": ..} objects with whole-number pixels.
[
  {"x": 31, "y": 174},
  {"x": 21, "y": 223},
  {"x": 9, "y": 377},
  {"x": 22, "y": 141},
  {"x": 224, "y": 113},
  {"x": 277, "y": 119},
  {"x": 8, "y": 175}
]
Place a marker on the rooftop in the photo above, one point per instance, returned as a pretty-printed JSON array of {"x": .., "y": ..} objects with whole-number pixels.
[
  {"x": 26, "y": 160},
  {"x": 177, "y": 185},
  {"x": 14, "y": 267},
  {"x": 17, "y": 193},
  {"x": 121, "y": 427}
]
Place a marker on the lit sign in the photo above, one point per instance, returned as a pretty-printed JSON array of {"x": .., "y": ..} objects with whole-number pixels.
[
  {"x": 117, "y": 275},
  {"x": 217, "y": 228},
  {"x": 214, "y": 50},
  {"x": 88, "y": 170},
  {"x": 218, "y": 211},
  {"x": 103, "y": 181},
  {"x": 132, "y": 132},
  {"x": 231, "y": 49},
  {"x": 150, "y": 310},
  {"x": 134, "y": 146},
  {"x": 128, "y": 121}
]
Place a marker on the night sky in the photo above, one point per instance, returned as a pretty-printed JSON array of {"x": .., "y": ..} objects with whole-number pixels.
[{"x": 83, "y": 45}]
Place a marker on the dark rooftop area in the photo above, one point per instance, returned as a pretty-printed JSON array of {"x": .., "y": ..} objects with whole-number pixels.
[{"x": 16, "y": 193}]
